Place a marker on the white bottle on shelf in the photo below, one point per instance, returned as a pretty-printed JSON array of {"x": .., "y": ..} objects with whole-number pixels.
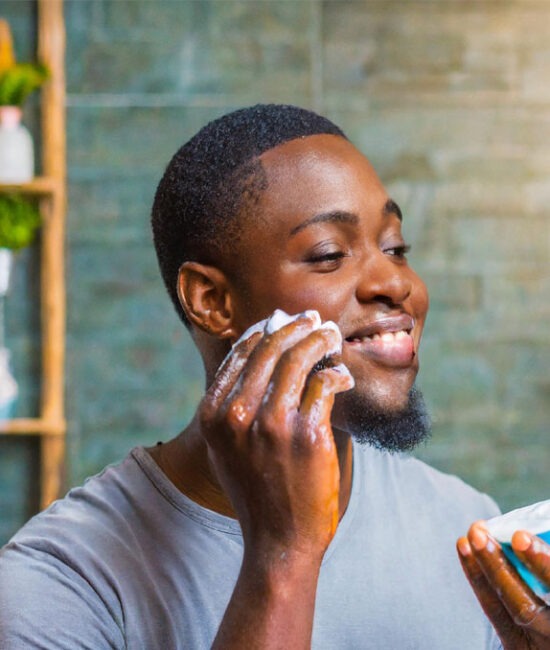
[
  {"x": 16, "y": 147},
  {"x": 8, "y": 387}
]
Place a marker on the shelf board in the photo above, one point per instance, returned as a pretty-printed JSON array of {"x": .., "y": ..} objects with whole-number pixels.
[
  {"x": 40, "y": 186},
  {"x": 32, "y": 426}
]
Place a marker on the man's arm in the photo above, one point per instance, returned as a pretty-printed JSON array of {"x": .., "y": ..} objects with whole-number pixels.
[
  {"x": 267, "y": 426},
  {"x": 520, "y": 618}
]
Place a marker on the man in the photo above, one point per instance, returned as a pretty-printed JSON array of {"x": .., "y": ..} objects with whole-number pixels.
[{"x": 265, "y": 523}]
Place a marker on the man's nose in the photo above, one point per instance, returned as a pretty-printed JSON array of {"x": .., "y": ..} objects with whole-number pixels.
[{"x": 382, "y": 278}]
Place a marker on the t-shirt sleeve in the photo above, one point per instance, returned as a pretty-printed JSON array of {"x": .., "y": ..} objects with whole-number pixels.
[{"x": 45, "y": 604}]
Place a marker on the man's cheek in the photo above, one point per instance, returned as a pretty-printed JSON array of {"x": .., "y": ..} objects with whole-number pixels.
[{"x": 328, "y": 303}]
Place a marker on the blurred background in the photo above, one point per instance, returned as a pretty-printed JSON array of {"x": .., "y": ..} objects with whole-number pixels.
[{"x": 449, "y": 99}]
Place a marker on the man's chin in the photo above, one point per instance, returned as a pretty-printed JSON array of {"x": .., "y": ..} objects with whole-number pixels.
[{"x": 397, "y": 430}]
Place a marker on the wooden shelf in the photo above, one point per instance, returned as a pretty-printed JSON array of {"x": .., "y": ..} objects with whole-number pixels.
[
  {"x": 49, "y": 188},
  {"x": 32, "y": 426},
  {"x": 40, "y": 186}
]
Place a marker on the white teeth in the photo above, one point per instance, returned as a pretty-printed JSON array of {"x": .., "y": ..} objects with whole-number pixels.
[{"x": 384, "y": 336}]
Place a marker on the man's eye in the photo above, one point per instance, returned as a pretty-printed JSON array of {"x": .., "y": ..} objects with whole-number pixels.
[
  {"x": 398, "y": 251},
  {"x": 326, "y": 257},
  {"x": 326, "y": 261}
]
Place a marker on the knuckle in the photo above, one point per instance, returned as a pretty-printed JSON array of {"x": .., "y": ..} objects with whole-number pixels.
[
  {"x": 208, "y": 410},
  {"x": 527, "y": 613},
  {"x": 293, "y": 356},
  {"x": 237, "y": 415},
  {"x": 267, "y": 342},
  {"x": 304, "y": 444},
  {"x": 476, "y": 576},
  {"x": 270, "y": 421},
  {"x": 247, "y": 344},
  {"x": 315, "y": 432}
]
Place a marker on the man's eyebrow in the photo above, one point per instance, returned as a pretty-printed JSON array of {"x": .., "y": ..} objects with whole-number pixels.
[
  {"x": 391, "y": 207},
  {"x": 336, "y": 216}
]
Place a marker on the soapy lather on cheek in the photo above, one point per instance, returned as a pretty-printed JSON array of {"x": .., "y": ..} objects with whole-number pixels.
[{"x": 280, "y": 318}]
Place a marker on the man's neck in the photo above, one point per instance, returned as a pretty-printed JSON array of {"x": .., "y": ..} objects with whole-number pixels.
[{"x": 184, "y": 460}]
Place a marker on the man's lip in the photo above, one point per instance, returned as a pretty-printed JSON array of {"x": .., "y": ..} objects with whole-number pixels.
[{"x": 381, "y": 325}]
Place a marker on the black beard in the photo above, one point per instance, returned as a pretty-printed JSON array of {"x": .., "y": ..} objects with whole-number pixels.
[{"x": 394, "y": 432}]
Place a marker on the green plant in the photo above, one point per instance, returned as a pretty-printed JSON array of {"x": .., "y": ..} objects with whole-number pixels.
[
  {"x": 17, "y": 80},
  {"x": 19, "y": 220}
]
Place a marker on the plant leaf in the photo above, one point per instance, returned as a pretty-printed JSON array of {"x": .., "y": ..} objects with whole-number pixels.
[
  {"x": 19, "y": 81},
  {"x": 19, "y": 220}
]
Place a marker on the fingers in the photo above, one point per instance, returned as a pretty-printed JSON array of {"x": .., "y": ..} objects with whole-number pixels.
[
  {"x": 318, "y": 401},
  {"x": 266, "y": 386},
  {"x": 286, "y": 386},
  {"x": 520, "y": 602},
  {"x": 534, "y": 553},
  {"x": 488, "y": 598},
  {"x": 231, "y": 369},
  {"x": 292, "y": 350},
  {"x": 228, "y": 373}
]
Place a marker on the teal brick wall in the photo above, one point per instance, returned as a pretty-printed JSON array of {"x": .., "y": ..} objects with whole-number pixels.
[{"x": 449, "y": 99}]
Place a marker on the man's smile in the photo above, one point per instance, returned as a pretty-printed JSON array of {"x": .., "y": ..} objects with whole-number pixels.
[{"x": 387, "y": 341}]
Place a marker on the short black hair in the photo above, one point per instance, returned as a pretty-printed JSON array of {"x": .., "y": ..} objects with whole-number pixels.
[{"x": 213, "y": 177}]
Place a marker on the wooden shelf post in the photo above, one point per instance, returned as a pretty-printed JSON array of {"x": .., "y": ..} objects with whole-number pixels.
[
  {"x": 51, "y": 51},
  {"x": 50, "y": 190}
]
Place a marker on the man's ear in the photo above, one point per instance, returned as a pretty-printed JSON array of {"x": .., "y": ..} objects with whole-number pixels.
[{"x": 205, "y": 297}]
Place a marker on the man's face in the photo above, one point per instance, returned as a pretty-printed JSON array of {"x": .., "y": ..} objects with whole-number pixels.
[{"x": 326, "y": 236}]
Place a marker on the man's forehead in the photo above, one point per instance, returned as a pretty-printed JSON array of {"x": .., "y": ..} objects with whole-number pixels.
[
  {"x": 305, "y": 148},
  {"x": 322, "y": 174},
  {"x": 323, "y": 159}
]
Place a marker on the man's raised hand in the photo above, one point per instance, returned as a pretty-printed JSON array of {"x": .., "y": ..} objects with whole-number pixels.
[
  {"x": 267, "y": 425},
  {"x": 266, "y": 421}
]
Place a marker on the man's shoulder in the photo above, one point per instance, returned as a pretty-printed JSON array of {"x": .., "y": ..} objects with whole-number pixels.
[
  {"x": 416, "y": 481},
  {"x": 107, "y": 554},
  {"x": 444, "y": 482},
  {"x": 118, "y": 519},
  {"x": 88, "y": 518},
  {"x": 64, "y": 552}
]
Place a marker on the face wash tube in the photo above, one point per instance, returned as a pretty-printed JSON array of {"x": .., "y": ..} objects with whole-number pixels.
[{"x": 534, "y": 519}]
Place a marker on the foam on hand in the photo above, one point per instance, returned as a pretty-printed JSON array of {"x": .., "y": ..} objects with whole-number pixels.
[
  {"x": 280, "y": 318},
  {"x": 536, "y": 520}
]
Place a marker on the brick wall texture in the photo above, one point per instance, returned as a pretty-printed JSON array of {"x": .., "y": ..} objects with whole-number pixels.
[{"x": 450, "y": 99}]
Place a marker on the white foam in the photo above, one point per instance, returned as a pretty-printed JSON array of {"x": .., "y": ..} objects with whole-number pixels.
[
  {"x": 535, "y": 519},
  {"x": 280, "y": 318},
  {"x": 343, "y": 370},
  {"x": 257, "y": 327},
  {"x": 337, "y": 347}
]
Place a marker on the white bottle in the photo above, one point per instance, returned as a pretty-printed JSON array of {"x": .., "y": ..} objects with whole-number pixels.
[
  {"x": 16, "y": 147},
  {"x": 8, "y": 387},
  {"x": 6, "y": 266}
]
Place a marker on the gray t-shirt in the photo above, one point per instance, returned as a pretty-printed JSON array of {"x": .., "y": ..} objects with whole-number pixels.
[{"x": 127, "y": 561}]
